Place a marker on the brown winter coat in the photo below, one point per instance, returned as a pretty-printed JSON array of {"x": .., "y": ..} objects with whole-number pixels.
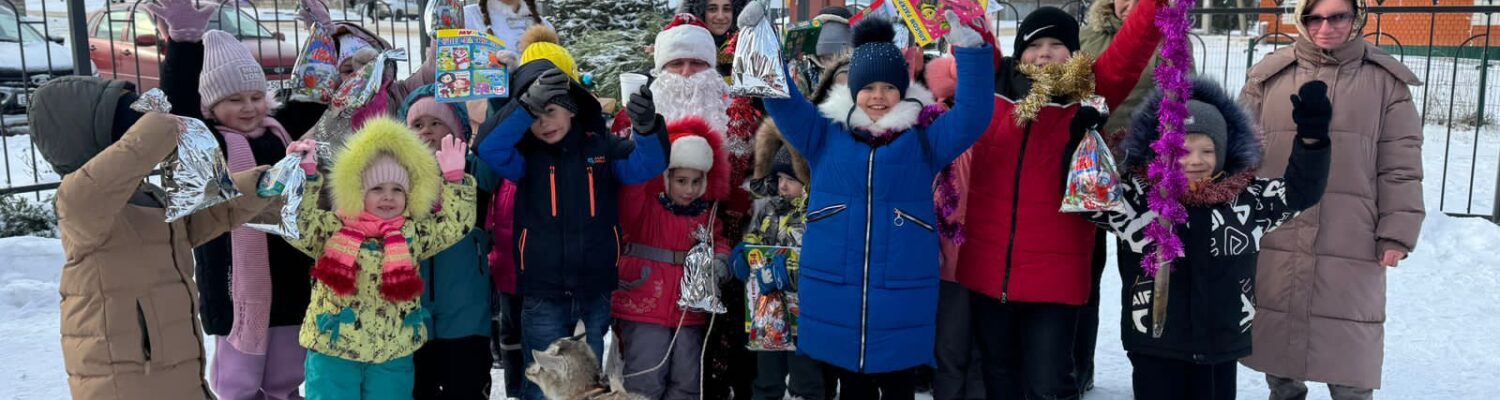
[
  {"x": 128, "y": 297},
  {"x": 1320, "y": 287}
]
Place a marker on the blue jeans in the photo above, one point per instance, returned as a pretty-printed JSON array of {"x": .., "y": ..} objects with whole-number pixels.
[{"x": 544, "y": 320}]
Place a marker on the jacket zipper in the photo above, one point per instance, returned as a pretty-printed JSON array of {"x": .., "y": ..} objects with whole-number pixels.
[
  {"x": 902, "y": 217},
  {"x": 524, "y": 231},
  {"x": 864, "y": 296},
  {"x": 590, "y": 170},
  {"x": 552, "y": 186},
  {"x": 825, "y": 212},
  {"x": 1015, "y": 204}
]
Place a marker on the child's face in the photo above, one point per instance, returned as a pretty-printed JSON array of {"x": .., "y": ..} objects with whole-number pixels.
[
  {"x": 243, "y": 111},
  {"x": 1046, "y": 51},
  {"x": 685, "y": 185},
  {"x": 877, "y": 99},
  {"x": 351, "y": 66},
  {"x": 386, "y": 201},
  {"x": 553, "y": 125},
  {"x": 431, "y": 130},
  {"x": 789, "y": 187},
  {"x": 1201, "y": 158}
]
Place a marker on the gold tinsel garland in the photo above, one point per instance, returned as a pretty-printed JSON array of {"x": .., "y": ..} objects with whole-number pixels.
[{"x": 1072, "y": 80}]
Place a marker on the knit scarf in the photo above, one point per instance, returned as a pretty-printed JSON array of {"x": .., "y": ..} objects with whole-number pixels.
[
  {"x": 340, "y": 261},
  {"x": 250, "y": 288},
  {"x": 377, "y": 106}
]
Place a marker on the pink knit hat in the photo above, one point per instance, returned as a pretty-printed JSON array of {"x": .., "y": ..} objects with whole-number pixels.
[
  {"x": 427, "y": 107},
  {"x": 228, "y": 68},
  {"x": 942, "y": 77},
  {"x": 385, "y": 169}
]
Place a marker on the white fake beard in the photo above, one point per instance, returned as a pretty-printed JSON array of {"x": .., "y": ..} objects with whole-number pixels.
[{"x": 703, "y": 95}]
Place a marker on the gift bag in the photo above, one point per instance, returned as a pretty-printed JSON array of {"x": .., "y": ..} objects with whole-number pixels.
[
  {"x": 316, "y": 69},
  {"x": 771, "y": 298},
  {"x": 195, "y": 175},
  {"x": 758, "y": 70},
  {"x": 443, "y": 14},
  {"x": 356, "y": 91},
  {"x": 285, "y": 178},
  {"x": 1093, "y": 182},
  {"x": 700, "y": 279}
]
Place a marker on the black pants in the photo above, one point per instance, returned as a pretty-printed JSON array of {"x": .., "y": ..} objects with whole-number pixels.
[
  {"x": 785, "y": 371},
  {"x": 730, "y": 369},
  {"x": 1088, "y": 320},
  {"x": 507, "y": 341},
  {"x": 896, "y": 385},
  {"x": 1027, "y": 348},
  {"x": 958, "y": 374},
  {"x": 453, "y": 369},
  {"x": 1157, "y": 378}
]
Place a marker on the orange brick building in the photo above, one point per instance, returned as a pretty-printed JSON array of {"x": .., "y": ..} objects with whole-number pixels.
[
  {"x": 802, "y": 10},
  {"x": 1409, "y": 29}
]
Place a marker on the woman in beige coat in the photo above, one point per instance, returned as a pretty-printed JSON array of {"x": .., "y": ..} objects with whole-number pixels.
[
  {"x": 128, "y": 298},
  {"x": 1321, "y": 278}
]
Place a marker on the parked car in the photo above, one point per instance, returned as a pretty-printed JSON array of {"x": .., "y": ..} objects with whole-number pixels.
[
  {"x": 28, "y": 59},
  {"x": 125, "y": 43},
  {"x": 400, "y": 10}
]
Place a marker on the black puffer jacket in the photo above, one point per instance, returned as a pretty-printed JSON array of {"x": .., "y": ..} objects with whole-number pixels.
[{"x": 1212, "y": 297}]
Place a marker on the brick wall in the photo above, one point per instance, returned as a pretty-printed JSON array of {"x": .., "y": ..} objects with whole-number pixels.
[{"x": 1441, "y": 29}]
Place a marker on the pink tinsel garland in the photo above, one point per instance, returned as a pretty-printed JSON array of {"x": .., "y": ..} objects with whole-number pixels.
[{"x": 1165, "y": 174}]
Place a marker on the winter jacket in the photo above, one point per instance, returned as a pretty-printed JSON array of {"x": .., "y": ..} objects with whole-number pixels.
[
  {"x": 1018, "y": 247},
  {"x": 365, "y": 326},
  {"x": 567, "y": 232},
  {"x": 1310, "y": 329},
  {"x": 501, "y": 225},
  {"x": 127, "y": 294},
  {"x": 1212, "y": 297},
  {"x": 958, "y": 177},
  {"x": 869, "y": 267},
  {"x": 1102, "y": 29},
  {"x": 290, "y": 286},
  {"x": 458, "y": 279}
]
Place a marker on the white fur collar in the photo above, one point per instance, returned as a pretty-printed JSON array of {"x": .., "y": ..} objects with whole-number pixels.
[{"x": 901, "y": 117}]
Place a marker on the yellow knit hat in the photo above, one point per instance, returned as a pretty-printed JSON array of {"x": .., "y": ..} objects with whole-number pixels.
[{"x": 541, "y": 43}]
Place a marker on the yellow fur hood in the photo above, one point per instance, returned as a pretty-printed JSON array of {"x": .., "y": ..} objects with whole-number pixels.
[{"x": 384, "y": 135}]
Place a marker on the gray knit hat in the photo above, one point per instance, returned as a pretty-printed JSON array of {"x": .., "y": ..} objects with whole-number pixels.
[
  {"x": 1205, "y": 119},
  {"x": 833, "y": 37}
]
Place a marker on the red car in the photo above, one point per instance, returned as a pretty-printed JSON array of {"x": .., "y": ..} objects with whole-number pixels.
[{"x": 125, "y": 43}]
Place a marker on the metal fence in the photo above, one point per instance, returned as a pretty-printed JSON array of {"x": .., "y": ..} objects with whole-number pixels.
[{"x": 123, "y": 42}]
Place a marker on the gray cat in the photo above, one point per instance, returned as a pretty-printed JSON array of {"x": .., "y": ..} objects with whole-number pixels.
[{"x": 567, "y": 370}]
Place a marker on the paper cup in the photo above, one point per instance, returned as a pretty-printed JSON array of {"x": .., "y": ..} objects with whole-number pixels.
[{"x": 630, "y": 83}]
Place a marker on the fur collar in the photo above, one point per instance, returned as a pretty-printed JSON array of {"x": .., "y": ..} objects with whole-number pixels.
[
  {"x": 840, "y": 108},
  {"x": 1101, "y": 17},
  {"x": 1243, "y": 147}
]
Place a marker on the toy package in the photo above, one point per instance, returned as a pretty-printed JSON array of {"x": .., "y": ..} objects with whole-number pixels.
[
  {"x": 468, "y": 66},
  {"x": 316, "y": 69},
  {"x": 771, "y": 298}
]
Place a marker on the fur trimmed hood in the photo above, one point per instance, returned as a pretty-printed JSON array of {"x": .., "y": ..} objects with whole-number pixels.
[
  {"x": 388, "y": 136},
  {"x": 768, "y": 142},
  {"x": 1101, "y": 17},
  {"x": 840, "y": 108},
  {"x": 1242, "y": 145},
  {"x": 718, "y": 174}
]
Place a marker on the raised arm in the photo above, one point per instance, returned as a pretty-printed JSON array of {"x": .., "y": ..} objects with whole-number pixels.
[
  {"x": 499, "y": 147},
  {"x": 449, "y": 225},
  {"x": 645, "y": 162},
  {"x": 214, "y": 221},
  {"x": 100, "y": 188},
  {"x": 1120, "y": 67},
  {"x": 800, "y": 123}
]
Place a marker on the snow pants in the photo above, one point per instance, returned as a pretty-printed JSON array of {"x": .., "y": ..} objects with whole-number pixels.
[
  {"x": 958, "y": 375},
  {"x": 274, "y": 375},
  {"x": 507, "y": 341},
  {"x": 1157, "y": 378},
  {"x": 453, "y": 369},
  {"x": 643, "y": 346},
  {"x": 1291, "y": 389},
  {"x": 1027, "y": 348},
  {"x": 333, "y": 378}
]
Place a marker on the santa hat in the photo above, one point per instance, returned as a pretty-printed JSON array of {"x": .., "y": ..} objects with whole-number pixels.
[
  {"x": 696, "y": 146},
  {"x": 686, "y": 37}
]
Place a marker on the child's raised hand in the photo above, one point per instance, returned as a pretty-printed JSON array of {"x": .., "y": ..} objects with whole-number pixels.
[
  {"x": 450, "y": 157},
  {"x": 961, "y": 34},
  {"x": 309, "y": 150},
  {"x": 184, "y": 21}
]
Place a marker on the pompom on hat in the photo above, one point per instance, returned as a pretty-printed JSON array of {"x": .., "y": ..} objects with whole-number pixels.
[
  {"x": 686, "y": 37},
  {"x": 876, "y": 58},
  {"x": 542, "y": 43}
]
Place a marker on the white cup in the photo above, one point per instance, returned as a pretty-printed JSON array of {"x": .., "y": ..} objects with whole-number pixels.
[{"x": 630, "y": 83}]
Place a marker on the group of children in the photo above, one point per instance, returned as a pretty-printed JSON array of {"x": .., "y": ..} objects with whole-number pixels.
[{"x": 409, "y": 231}]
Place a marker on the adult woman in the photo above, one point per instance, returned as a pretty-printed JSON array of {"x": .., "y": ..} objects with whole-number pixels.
[
  {"x": 1321, "y": 277},
  {"x": 720, "y": 17}
]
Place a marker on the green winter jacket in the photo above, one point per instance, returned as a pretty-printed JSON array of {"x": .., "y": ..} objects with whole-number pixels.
[{"x": 1095, "y": 37}]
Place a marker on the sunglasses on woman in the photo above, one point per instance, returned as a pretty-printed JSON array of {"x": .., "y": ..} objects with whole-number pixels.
[{"x": 1338, "y": 20}]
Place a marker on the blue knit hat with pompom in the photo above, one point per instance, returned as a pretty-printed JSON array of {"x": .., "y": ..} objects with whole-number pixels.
[{"x": 876, "y": 58}]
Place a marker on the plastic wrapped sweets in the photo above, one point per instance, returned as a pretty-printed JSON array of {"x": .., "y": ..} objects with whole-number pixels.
[
  {"x": 314, "y": 75},
  {"x": 357, "y": 90},
  {"x": 1093, "y": 182},
  {"x": 285, "y": 178},
  {"x": 700, "y": 280},
  {"x": 196, "y": 175},
  {"x": 758, "y": 69}
]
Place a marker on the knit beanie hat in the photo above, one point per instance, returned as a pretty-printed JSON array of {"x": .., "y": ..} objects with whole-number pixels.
[
  {"x": 427, "y": 107},
  {"x": 875, "y": 58},
  {"x": 1047, "y": 22},
  {"x": 942, "y": 77},
  {"x": 385, "y": 169},
  {"x": 228, "y": 69},
  {"x": 686, "y": 37},
  {"x": 350, "y": 44},
  {"x": 1205, "y": 119},
  {"x": 542, "y": 43},
  {"x": 833, "y": 37},
  {"x": 782, "y": 164}
]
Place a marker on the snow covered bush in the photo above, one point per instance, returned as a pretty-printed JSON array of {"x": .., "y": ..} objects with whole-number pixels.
[
  {"x": 19, "y": 217},
  {"x": 578, "y": 20},
  {"x": 609, "y": 53}
]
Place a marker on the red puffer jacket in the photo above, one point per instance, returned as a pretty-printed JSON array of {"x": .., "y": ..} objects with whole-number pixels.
[
  {"x": 1018, "y": 247},
  {"x": 502, "y": 224}
]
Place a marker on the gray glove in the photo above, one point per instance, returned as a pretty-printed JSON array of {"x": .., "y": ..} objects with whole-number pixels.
[
  {"x": 550, "y": 88},
  {"x": 962, "y": 35},
  {"x": 752, "y": 14},
  {"x": 642, "y": 112}
]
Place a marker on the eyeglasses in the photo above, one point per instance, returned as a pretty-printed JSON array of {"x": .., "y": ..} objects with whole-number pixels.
[{"x": 1339, "y": 20}]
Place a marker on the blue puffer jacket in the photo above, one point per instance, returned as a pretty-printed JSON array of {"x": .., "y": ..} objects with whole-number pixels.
[
  {"x": 869, "y": 270},
  {"x": 457, "y": 280}
]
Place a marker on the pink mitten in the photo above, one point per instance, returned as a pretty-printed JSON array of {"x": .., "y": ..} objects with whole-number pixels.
[
  {"x": 185, "y": 23},
  {"x": 450, "y": 158},
  {"x": 309, "y": 150}
]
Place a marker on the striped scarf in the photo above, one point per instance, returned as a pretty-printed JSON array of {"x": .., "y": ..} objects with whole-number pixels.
[{"x": 340, "y": 261}]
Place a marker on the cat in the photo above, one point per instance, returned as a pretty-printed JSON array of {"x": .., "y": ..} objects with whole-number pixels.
[{"x": 567, "y": 370}]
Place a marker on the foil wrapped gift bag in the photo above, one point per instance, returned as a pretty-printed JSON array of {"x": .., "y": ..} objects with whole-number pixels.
[
  {"x": 356, "y": 91},
  {"x": 196, "y": 174},
  {"x": 285, "y": 178},
  {"x": 700, "y": 278},
  {"x": 758, "y": 69}
]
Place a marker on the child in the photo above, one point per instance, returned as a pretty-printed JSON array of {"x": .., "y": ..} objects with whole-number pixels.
[
  {"x": 1028, "y": 264},
  {"x": 869, "y": 270},
  {"x": 780, "y": 220},
  {"x": 358, "y": 47},
  {"x": 456, "y": 363},
  {"x": 128, "y": 330},
  {"x": 366, "y": 319},
  {"x": 1229, "y": 209},
  {"x": 660, "y": 220},
  {"x": 552, "y": 141}
]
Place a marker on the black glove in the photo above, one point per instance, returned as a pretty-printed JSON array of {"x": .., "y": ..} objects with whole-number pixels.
[
  {"x": 1312, "y": 111},
  {"x": 550, "y": 88},
  {"x": 642, "y": 112},
  {"x": 1085, "y": 119}
]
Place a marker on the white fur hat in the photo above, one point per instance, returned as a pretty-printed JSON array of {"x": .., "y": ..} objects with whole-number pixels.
[
  {"x": 686, "y": 37},
  {"x": 692, "y": 152}
]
